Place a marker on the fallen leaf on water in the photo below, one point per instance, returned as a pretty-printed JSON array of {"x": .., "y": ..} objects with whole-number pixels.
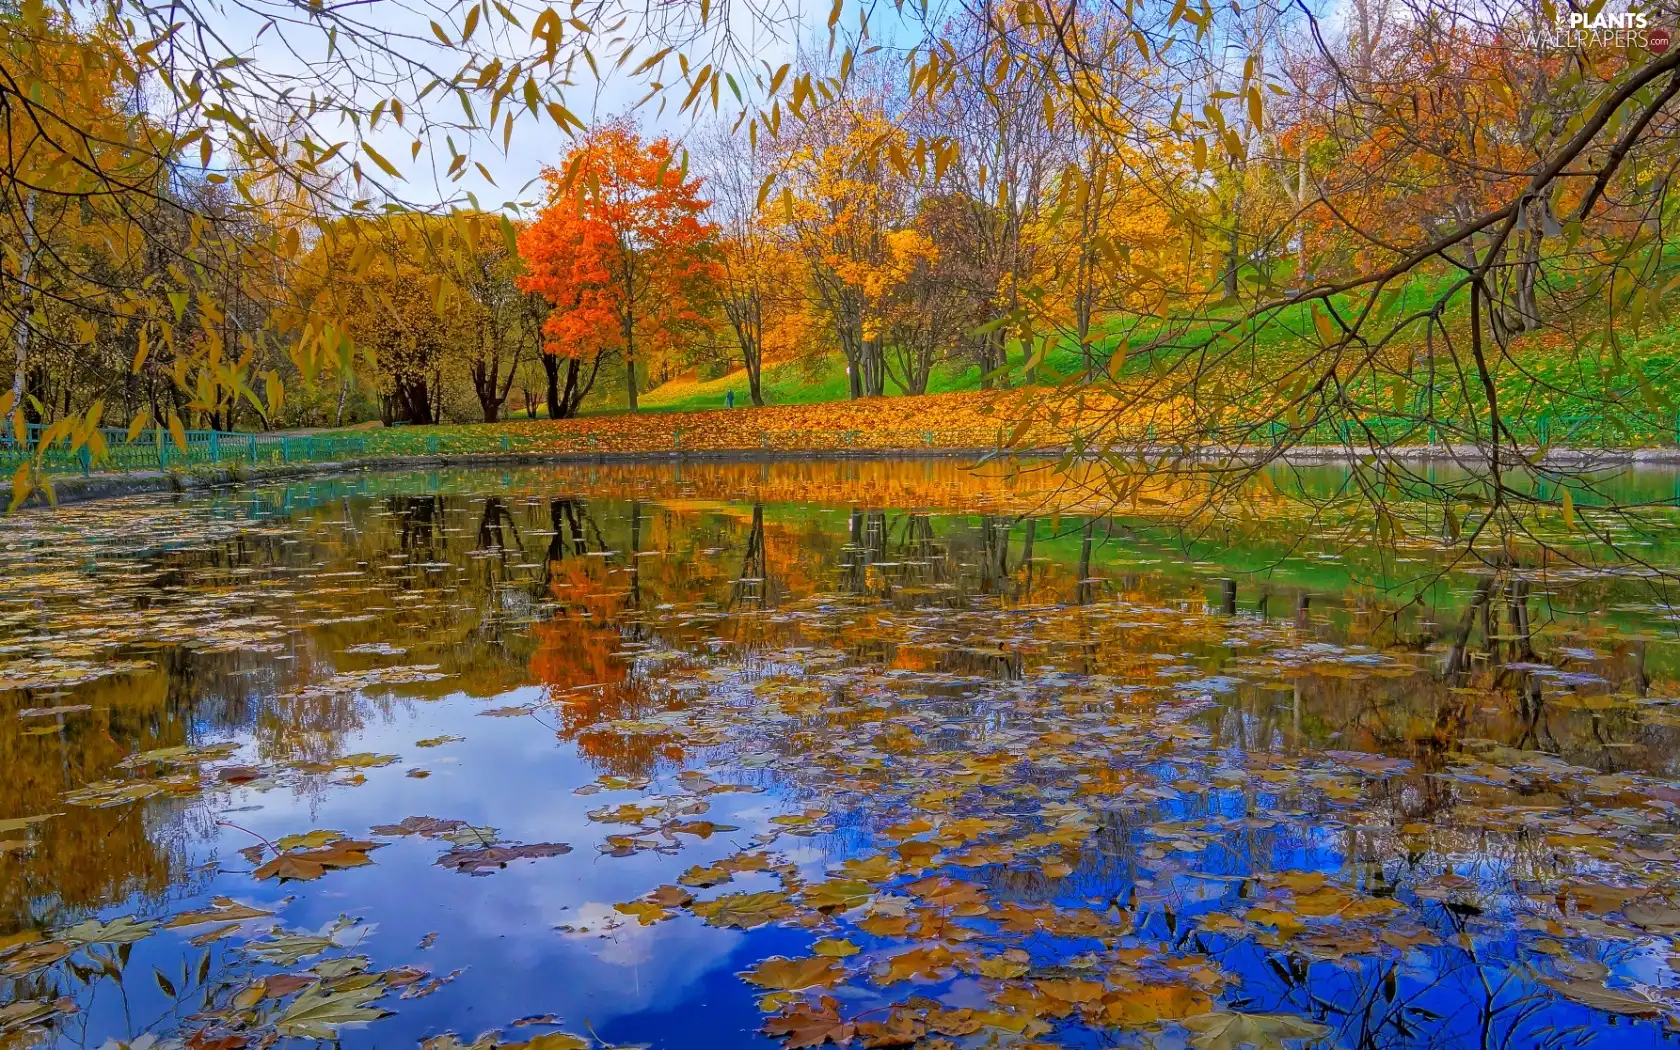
[
  {"x": 1071, "y": 991},
  {"x": 810, "y": 1024},
  {"x": 1632, "y": 1002},
  {"x": 122, "y": 930},
  {"x": 790, "y": 975},
  {"x": 837, "y": 894},
  {"x": 24, "y": 1013},
  {"x": 451, "y": 1041},
  {"x": 934, "y": 963},
  {"x": 319, "y": 1014},
  {"x": 835, "y": 947},
  {"x": 222, "y": 909},
  {"x": 901, "y": 1028},
  {"x": 1012, "y": 963},
  {"x": 669, "y": 896},
  {"x": 425, "y": 827},
  {"x": 745, "y": 911},
  {"x": 1152, "y": 1004},
  {"x": 701, "y": 878},
  {"x": 551, "y": 1041},
  {"x": 333, "y": 969},
  {"x": 646, "y": 912},
  {"x": 438, "y": 741},
  {"x": 35, "y": 957},
  {"x": 483, "y": 860},
  {"x": 421, "y": 989},
  {"x": 20, "y": 823},
  {"x": 308, "y": 840},
  {"x": 49, "y": 712},
  {"x": 312, "y": 864},
  {"x": 280, "y": 985},
  {"x": 1232, "y": 1031}
]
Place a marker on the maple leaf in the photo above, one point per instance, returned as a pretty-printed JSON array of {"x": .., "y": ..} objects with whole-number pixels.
[
  {"x": 790, "y": 975},
  {"x": 308, "y": 840},
  {"x": 1071, "y": 991},
  {"x": 810, "y": 1025},
  {"x": 901, "y": 1028},
  {"x": 122, "y": 930},
  {"x": 646, "y": 912},
  {"x": 319, "y": 1013},
  {"x": 550, "y": 1041},
  {"x": 934, "y": 963},
  {"x": 746, "y": 911},
  {"x": 837, "y": 894},
  {"x": 1631, "y": 1002},
  {"x": 23, "y": 1013},
  {"x": 487, "y": 859},
  {"x": 312, "y": 864},
  {"x": 1233, "y": 1031}
]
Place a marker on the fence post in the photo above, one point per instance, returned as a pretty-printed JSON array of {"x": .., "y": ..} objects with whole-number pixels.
[
  {"x": 285, "y": 449},
  {"x": 253, "y": 444},
  {"x": 215, "y": 448},
  {"x": 163, "y": 450},
  {"x": 87, "y": 461}
]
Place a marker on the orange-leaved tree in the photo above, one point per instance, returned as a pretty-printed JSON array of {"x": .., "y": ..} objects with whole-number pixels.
[{"x": 620, "y": 252}]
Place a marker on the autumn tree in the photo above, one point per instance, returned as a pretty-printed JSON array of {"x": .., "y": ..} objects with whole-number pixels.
[
  {"x": 621, "y": 251},
  {"x": 759, "y": 277},
  {"x": 847, "y": 195},
  {"x": 504, "y": 325},
  {"x": 564, "y": 261}
]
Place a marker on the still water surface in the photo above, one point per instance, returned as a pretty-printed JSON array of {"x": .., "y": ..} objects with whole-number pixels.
[{"x": 733, "y": 756}]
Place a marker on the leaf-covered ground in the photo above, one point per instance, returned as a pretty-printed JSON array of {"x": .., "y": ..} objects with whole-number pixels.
[{"x": 561, "y": 765}]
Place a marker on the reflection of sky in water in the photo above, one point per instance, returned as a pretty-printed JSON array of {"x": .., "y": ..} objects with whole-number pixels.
[{"x": 675, "y": 984}]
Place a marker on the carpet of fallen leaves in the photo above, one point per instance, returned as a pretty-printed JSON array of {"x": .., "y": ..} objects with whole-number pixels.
[{"x": 976, "y": 420}]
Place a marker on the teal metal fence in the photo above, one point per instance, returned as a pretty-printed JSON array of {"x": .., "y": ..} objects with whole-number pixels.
[{"x": 156, "y": 449}]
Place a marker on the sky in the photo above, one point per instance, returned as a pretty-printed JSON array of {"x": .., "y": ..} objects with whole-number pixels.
[{"x": 536, "y": 141}]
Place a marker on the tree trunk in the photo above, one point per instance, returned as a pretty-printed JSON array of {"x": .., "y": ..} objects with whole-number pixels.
[
  {"x": 630, "y": 358},
  {"x": 569, "y": 400},
  {"x": 874, "y": 367},
  {"x": 551, "y": 369}
]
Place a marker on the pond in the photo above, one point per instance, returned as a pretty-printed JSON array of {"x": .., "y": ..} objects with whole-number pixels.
[{"x": 863, "y": 753}]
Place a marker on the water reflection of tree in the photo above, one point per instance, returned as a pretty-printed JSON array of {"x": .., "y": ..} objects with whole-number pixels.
[
  {"x": 752, "y": 584},
  {"x": 84, "y": 858},
  {"x": 579, "y": 655}
]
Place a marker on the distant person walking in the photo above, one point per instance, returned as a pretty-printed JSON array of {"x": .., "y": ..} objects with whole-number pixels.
[{"x": 729, "y": 399}]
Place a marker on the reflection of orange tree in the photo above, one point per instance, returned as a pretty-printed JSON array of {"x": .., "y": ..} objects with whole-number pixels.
[{"x": 577, "y": 659}]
